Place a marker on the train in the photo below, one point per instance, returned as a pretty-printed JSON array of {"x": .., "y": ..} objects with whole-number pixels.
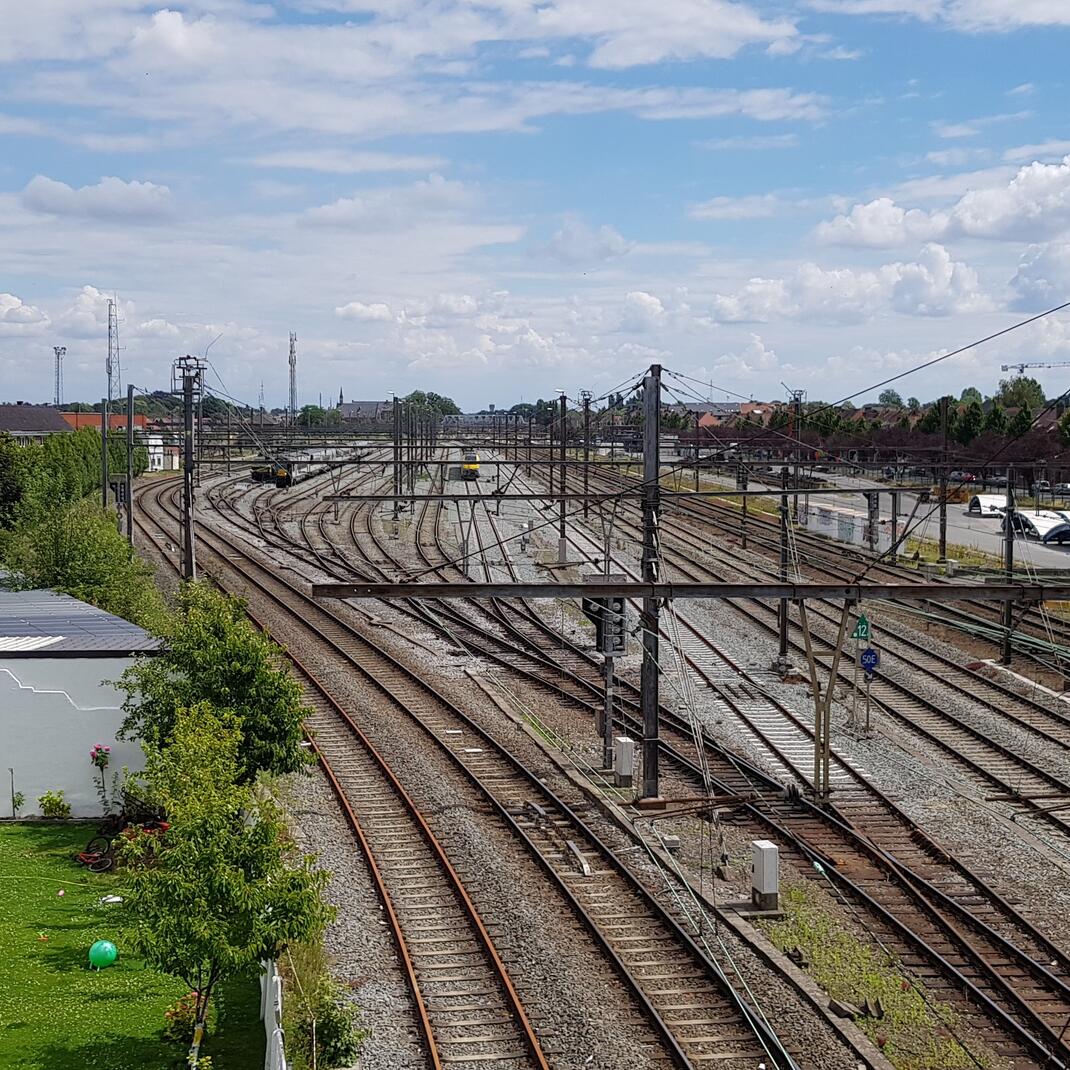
[
  {"x": 470, "y": 466},
  {"x": 277, "y": 472}
]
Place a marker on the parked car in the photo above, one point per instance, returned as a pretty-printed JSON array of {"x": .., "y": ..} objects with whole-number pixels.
[
  {"x": 996, "y": 481},
  {"x": 1041, "y": 486},
  {"x": 1061, "y": 490},
  {"x": 962, "y": 477}
]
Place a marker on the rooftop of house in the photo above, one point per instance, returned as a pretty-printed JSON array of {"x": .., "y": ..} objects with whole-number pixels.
[
  {"x": 46, "y": 624},
  {"x": 29, "y": 419},
  {"x": 116, "y": 421}
]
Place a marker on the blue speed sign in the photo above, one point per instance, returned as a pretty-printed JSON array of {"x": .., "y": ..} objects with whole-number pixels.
[{"x": 869, "y": 659}]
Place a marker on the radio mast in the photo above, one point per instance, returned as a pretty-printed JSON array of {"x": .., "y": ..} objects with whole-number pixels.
[{"x": 61, "y": 352}]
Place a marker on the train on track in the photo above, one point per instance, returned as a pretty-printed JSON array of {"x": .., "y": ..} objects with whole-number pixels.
[
  {"x": 277, "y": 472},
  {"x": 470, "y": 465}
]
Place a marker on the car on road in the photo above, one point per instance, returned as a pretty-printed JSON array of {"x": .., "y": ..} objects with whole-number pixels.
[
  {"x": 962, "y": 477},
  {"x": 996, "y": 481},
  {"x": 1061, "y": 490},
  {"x": 1041, "y": 486}
]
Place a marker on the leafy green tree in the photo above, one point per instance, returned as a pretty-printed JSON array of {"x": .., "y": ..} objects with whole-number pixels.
[
  {"x": 311, "y": 416},
  {"x": 971, "y": 393},
  {"x": 1020, "y": 391},
  {"x": 1021, "y": 422},
  {"x": 214, "y": 654},
  {"x": 891, "y": 398},
  {"x": 970, "y": 423},
  {"x": 13, "y": 473},
  {"x": 930, "y": 421},
  {"x": 443, "y": 405},
  {"x": 1064, "y": 428},
  {"x": 216, "y": 893},
  {"x": 996, "y": 420},
  {"x": 913, "y": 405},
  {"x": 75, "y": 548}
]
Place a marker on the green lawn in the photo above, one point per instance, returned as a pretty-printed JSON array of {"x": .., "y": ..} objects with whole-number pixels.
[{"x": 55, "y": 1012}]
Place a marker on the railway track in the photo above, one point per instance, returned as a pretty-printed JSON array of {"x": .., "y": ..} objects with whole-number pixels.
[
  {"x": 933, "y": 909},
  {"x": 694, "y": 1013}
]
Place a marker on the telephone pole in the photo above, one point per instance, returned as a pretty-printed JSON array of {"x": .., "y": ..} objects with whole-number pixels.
[
  {"x": 648, "y": 620},
  {"x": 943, "y": 482}
]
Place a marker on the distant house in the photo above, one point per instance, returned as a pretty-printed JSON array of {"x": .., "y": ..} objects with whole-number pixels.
[
  {"x": 366, "y": 410},
  {"x": 31, "y": 423},
  {"x": 116, "y": 422}
]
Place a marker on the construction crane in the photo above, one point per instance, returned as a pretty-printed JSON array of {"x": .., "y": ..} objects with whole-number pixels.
[{"x": 1022, "y": 367}]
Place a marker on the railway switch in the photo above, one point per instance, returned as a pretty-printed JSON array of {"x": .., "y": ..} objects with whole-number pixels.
[{"x": 765, "y": 875}]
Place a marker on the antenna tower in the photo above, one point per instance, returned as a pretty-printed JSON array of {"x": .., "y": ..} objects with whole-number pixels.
[
  {"x": 61, "y": 352},
  {"x": 115, "y": 375},
  {"x": 293, "y": 377}
]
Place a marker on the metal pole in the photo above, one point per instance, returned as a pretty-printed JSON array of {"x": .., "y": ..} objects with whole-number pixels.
[
  {"x": 228, "y": 440},
  {"x": 1008, "y": 565},
  {"x": 562, "y": 552},
  {"x": 796, "y": 406},
  {"x": 943, "y": 484},
  {"x": 696, "y": 449},
  {"x": 130, "y": 463},
  {"x": 189, "y": 562},
  {"x": 648, "y": 685},
  {"x": 586, "y": 450},
  {"x": 743, "y": 518},
  {"x": 397, "y": 452},
  {"x": 782, "y": 615},
  {"x": 895, "y": 523},
  {"x": 607, "y": 716},
  {"x": 104, "y": 450}
]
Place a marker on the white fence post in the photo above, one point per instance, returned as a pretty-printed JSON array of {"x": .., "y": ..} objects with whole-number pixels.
[{"x": 271, "y": 1013}]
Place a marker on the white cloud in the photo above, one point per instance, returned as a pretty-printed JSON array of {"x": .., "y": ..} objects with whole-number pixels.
[
  {"x": 17, "y": 317},
  {"x": 110, "y": 198},
  {"x": 754, "y": 357},
  {"x": 574, "y": 242},
  {"x": 969, "y": 15},
  {"x": 880, "y": 224},
  {"x": 357, "y": 310},
  {"x": 1044, "y": 150},
  {"x": 87, "y": 315},
  {"x": 342, "y": 162},
  {"x": 1033, "y": 205},
  {"x": 934, "y": 285},
  {"x": 755, "y": 206},
  {"x": 1043, "y": 276},
  {"x": 394, "y": 207},
  {"x": 642, "y": 312}
]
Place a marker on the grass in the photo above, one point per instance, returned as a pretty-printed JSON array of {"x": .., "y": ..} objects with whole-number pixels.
[
  {"x": 55, "y": 1012},
  {"x": 929, "y": 550},
  {"x": 915, "y": 1032}
]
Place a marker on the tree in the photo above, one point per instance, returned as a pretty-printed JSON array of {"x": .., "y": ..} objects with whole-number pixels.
[
  {"x": 913, "y": 405},
  {"x": 1021, "y": 422},
  {"x": 891, "y": 398},
  {"x": 311, "y": 416},
  {"x": 1020, "y": 391},
  {"x": 215, "y": 655},
  {"x": 969, "y": 425},
  {"x": 75, "y": 548},
  {"x": 1064, "y": 429},
  {"x": 443, "y": 405},
  {"x": 215, "y": 893},
  {"x": 996, "y": 420},
  {"x": 971, "y": 393},
  {"x": 929, "y": 423}
]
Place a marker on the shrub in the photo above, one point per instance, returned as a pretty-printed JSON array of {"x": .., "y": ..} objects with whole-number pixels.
[
  {"x": 338, "y": 1040},
  {"x": 53, "y": 804},
  {"x": 17, "y": 802}
]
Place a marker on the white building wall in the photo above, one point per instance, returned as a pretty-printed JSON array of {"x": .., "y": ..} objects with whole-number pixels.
[{"x": 52, "y": 712}]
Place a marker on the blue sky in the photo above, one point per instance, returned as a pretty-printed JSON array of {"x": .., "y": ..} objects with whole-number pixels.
[{"x": 496, "y": 200}]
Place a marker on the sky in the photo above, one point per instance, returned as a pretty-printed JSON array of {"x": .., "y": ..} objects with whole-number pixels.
[{"x": 500, "y": 200}]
